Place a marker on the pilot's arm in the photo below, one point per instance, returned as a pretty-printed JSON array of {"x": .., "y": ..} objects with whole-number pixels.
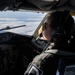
[{"x": 37, "y": 66}]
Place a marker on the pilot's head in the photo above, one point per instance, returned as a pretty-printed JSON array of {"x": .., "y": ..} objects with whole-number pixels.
[{"x": 56, "y": 21}]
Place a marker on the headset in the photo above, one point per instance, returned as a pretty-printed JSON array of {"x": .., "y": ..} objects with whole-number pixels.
[{"x": 59, "y": 32}]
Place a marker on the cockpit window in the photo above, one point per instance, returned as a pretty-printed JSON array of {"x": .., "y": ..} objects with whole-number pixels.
[{"x": 22, "y": 22}]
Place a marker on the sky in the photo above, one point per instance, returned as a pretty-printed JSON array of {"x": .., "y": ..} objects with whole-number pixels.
[{"x": 17, "y": 18}]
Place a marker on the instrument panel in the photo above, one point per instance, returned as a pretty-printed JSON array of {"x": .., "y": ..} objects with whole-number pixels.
[
  {"x": 13, "y": 38},
  {"x": 15, "y": 53},
  {"x": 6, "y": 36}
]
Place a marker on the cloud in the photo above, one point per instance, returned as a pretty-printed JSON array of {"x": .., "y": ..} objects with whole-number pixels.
[
  {"x": 8, "y": 19},
  {"x": 12, "y": 19},
  {"x": 27, "y": 30}
]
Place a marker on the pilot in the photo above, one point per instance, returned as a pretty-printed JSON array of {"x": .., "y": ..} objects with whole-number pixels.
[{"x": 57, "y": 29}]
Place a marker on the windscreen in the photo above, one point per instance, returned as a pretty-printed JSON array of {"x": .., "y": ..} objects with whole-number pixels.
[{"x": 21, "y": 22}]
